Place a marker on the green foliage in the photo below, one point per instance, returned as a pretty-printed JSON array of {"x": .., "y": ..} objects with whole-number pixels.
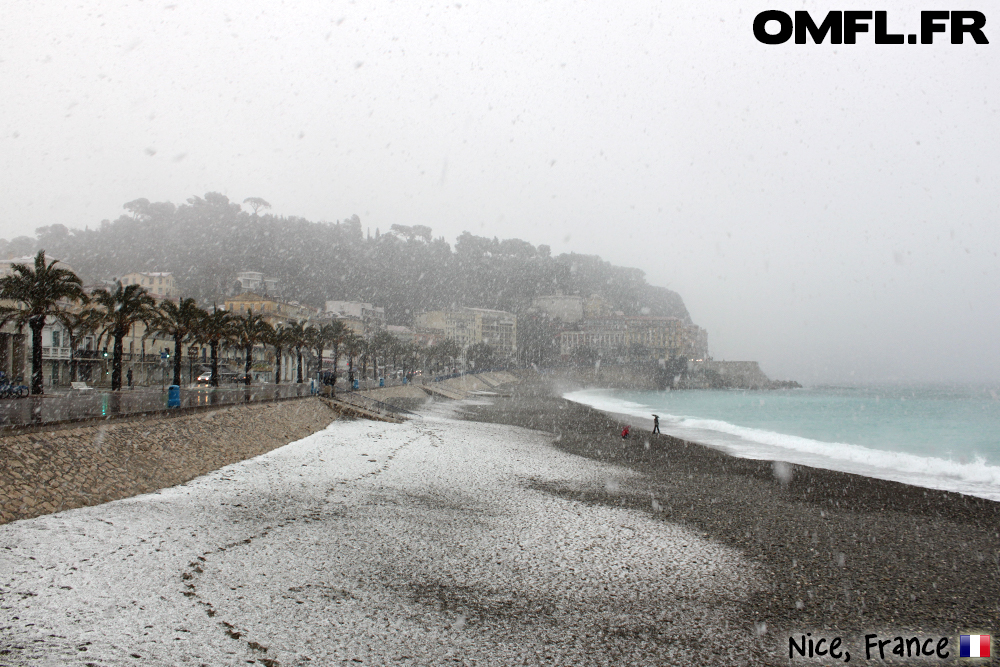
[
  {"x": 481, "y": 355},
  {"x": 206, "y": 241},
  {"x": 37, "y": 290},
  {"x": 120, "y": 309}
]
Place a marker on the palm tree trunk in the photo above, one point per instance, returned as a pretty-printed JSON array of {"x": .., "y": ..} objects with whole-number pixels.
[
  {"x": 116, "y": 362},
  {"x": 319, "y": 369},
  {"x": 298, "y": 352},
  {"x": 247, "y": 364},
  {"x": 213, "y": 346},
  {"x": 277, "y": 365},
  {"x": 177, "y": 360},
  {"x": 72, "y": 359},
  {"x": 336, "y": 354},
  {"x": 37, "y": 384}
]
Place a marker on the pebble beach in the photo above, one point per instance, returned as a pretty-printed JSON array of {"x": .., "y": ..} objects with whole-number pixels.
[
  {"x": 435, "y": 541},
  {"x": 516, "y": 528},
  {"x": 840, "y": 553}
]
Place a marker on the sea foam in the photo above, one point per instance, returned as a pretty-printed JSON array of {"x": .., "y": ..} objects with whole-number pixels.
[{"x": 977, "y": 478}]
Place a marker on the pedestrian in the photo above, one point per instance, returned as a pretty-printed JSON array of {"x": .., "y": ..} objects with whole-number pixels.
[
  {"x": 625, "y": 433},
  {"x": 129, "y": 378},
  {"x": 656, "y": 423}
]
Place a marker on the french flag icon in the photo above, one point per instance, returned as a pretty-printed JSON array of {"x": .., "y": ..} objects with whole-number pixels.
[{"x": 974, "y": 646}]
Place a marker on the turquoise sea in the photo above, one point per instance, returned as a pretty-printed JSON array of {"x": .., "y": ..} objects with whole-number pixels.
[{"x": 936, "y": 436}]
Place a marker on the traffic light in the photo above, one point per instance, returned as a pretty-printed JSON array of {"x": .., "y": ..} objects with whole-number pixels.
[{"x": 105, "y": 352}]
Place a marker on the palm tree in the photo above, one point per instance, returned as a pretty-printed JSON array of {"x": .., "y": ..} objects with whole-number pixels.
[
  {"x": 354, "y": 345},
  {"x": 122, "y": 309},
  {"x": 446, "y": 350},
  {"x": 365, "y": 349},
  {"x": 298, "y": 338},
  {"x": 382, "y": 344},
  {"x": 482, "y": 355},
  {"x": 78, "y": 325},
  {"x": 315, "y": 342},
  {"x": 328, "y": 334},
  {"x": 336, "y": 333},
  {"x": 249, "y": 330},
  {"x": 409, "y": 352},
  {"x": 179, "y": 321},
  {"x": 215, "y": 330},
  {"x": 38, "y": 291},
  {"x": 280, "y": 338}
]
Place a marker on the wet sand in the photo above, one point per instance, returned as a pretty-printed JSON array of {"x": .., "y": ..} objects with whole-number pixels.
[{"x": 842, "y": 553}]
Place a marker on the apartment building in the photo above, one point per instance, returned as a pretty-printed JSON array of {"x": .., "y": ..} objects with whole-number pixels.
[
  {"x": 372, "y": 318},
  {"x": 468, "y": 326},
  {"x": 649, "y": 337},
  {"x": 160, "y": 285}
]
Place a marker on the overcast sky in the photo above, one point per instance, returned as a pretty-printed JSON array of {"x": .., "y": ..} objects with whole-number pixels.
[{"x": 831, "y": 211}]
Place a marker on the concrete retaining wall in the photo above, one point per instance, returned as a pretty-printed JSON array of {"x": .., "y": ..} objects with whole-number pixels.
[{"x": 50, "y": 471}]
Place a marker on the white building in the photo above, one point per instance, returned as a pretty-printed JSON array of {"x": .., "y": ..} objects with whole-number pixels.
[
  {"x": 254, "y": 281},
  {"x": 372, "y": 317},
  {"x": 567, "y": 308},
  {"x": 29, "y": 260}
]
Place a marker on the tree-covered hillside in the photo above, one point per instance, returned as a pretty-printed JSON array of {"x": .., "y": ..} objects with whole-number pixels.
[{"x": 207, "y": 240}]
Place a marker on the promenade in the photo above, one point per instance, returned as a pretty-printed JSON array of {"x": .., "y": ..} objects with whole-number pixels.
[{"x": 64, "y": 405}]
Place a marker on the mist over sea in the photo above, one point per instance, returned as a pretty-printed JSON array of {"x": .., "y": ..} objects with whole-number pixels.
[{"x": 935, "y": 436}]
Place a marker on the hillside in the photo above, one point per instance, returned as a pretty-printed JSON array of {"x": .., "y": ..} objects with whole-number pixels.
[{"x": 207, "y": 240}]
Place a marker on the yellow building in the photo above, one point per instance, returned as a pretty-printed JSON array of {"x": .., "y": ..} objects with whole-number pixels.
[
  {"x": 274, "y": 311},
  {"x": 159, "y": 284}
]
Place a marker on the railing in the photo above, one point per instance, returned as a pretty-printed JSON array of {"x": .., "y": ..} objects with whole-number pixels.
[
  {"x": 96, "y": 403},
  {"x": 370, "y": 404}
]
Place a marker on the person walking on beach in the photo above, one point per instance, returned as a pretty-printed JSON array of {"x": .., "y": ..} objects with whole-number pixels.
[
  {"x": 656, "y": 424},
  {"x": 625, "y": 433}
]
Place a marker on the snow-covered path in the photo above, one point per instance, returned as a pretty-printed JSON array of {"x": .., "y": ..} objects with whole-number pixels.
[{"x": 416, "y": 543}]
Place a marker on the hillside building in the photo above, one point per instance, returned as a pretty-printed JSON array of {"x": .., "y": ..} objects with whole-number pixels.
[
  {"x": 566, "y": 308},
  {"x": 468, "y": 326},
  {"x": 636, "y": 338},
  {"x": 257, "y": 283},
  {"x": 372, "y": 318},
  {"x": 160, "y": 285},
  {"x": 274, "y": 311}
]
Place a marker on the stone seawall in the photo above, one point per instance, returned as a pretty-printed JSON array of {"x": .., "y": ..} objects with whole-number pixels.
[{"x": 50, "y": 471}]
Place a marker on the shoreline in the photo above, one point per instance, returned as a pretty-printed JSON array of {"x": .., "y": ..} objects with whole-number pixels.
[
  {"x": 930, "y": 470},
  {"x": 841, "y": 551}
]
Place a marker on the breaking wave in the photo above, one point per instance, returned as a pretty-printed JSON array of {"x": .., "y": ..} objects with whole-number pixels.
[{"x": 975, "y": 477}]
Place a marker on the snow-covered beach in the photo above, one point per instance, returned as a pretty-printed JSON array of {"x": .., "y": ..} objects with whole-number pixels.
[{"x": 418, "y": 543}]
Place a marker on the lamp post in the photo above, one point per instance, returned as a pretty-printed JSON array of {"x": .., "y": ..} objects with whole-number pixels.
[{"x": 164, "y": 357}]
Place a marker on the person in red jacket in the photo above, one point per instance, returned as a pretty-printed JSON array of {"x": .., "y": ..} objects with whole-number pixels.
[{"x": 625, "y": 432}]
